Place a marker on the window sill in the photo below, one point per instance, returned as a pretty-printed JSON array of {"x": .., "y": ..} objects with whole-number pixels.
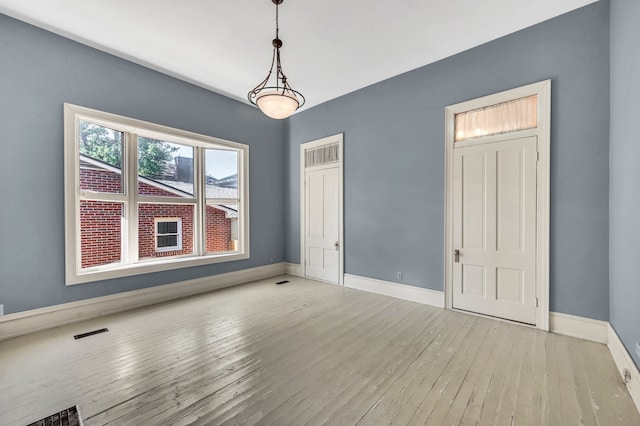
[{"x": 145, "y": 267}]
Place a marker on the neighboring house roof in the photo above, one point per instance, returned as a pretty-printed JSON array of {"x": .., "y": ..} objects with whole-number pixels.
[
  {"x": 174, "y": 187},
  {"x": 212, "y": 191},
  {"x": 87, "y": 162}
]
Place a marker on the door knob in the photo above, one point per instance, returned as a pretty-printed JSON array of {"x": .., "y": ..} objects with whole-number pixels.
[
  {"x": 456, "y": 255},
  {"x": 337, "y": 245}
]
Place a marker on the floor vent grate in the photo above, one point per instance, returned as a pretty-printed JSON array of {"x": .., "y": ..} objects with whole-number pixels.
[
  {"x": 90, "y": 333},
  {"x": 282, "y": 282},
  {"x": 68, "y": 417}
]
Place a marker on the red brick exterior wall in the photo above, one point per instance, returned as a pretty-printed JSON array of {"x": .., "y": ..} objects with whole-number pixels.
[
  {"x": 100, "y": 222},
  {"x": 147, "y": 235},
  {"x": 146, "y": 189},
  {"x": 100, "y": 180},
  {"x": 218, "y": 231},
  {"x": 100, "y": 232}
]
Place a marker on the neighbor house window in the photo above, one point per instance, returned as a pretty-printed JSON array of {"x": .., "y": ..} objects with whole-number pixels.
[
  {"x": 168, "y": 234},
  {"x": 141, "y": 197}
]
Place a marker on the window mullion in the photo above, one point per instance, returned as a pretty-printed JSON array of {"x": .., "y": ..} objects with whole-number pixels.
[
  {"x": 211, "y": 201},
  {"x": 102, "y": 196},
  {"x": 131, "y": 179},
  {"x": 199, "y": 190},
  {"x": 152, "y": 199}
]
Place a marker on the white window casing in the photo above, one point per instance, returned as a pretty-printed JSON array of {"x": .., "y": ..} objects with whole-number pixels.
[
  {"x": 130, "y": 264},
  {"x": 159, "y": 233}
]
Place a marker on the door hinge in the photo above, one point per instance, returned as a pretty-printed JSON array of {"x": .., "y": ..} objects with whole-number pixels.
[
  {"x": 536, "y": 302},
  {"x": 537, "y": 155}
]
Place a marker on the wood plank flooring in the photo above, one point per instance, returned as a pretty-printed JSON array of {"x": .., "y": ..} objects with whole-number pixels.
[{"x": 309, "y": 353}]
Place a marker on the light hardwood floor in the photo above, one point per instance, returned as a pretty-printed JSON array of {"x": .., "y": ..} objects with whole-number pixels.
[{"x": 309, "y": 353}]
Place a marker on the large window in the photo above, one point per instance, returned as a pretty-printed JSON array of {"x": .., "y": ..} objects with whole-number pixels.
[{"x": 141, "y": 197}]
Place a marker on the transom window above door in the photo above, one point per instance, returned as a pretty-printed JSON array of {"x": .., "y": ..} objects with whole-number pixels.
[{"x": 505, "y": 117}]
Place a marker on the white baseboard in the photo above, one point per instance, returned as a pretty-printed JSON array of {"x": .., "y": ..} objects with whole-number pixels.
[
  {"x": 294, "y": 269},
  {"x": 568, "y": 325},
  {"x": 20, "y": 323},
  {"x": 623, "y": 361},
  {"x": 400, "y": 291},
  {"x": 580, "y": 327}
]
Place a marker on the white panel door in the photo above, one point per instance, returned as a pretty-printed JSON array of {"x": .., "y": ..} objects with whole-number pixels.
[
  {"x": 322, "y": 224},
  {"x": 494, "y": 229}
]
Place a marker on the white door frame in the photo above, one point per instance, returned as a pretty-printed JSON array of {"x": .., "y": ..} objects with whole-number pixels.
[
  {"x": 339, "y": 139},
  {"x": 543, "y": 134}
]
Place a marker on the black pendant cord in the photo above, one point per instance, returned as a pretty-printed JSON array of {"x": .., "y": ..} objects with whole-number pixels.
[
  {"x": 277, "y": 44},
  {"x": 277, "y": 23}
]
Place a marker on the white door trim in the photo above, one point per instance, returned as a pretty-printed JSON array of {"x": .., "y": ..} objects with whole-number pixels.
[
  {"x": 339, "y": 139},
  {"x": 543, "y": 133}
]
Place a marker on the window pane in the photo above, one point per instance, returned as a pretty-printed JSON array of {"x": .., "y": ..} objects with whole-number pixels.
[
  {"x": 167, "y": 228},
  {"x": 221, "y": 168},
  {"x": 100, "y": 233},
  {"x": 167, "y": 241},
  {"x": 222, "y": 227},
  {"x": 100, "y": 158},
  {"x": 519, "y": 114},
  {"x": 149, "y": 239},
  {"x": 165, "y": 169},
  {"x": 162, "y": 227},
  {"x": 172, "y": 228}
]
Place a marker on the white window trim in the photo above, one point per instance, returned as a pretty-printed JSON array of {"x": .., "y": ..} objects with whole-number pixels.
[
  {"x": 178, "y": 246},
  {"x": 131, "y": 265}
]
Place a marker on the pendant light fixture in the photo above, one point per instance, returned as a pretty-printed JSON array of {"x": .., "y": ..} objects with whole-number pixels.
[{"x": 276, "y": 99}]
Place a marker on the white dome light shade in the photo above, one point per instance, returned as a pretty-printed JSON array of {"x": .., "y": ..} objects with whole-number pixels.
[{"x": 276, "y": 104}]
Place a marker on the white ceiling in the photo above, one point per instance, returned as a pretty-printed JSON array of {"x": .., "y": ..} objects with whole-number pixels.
[{"x": 331, "y": 47}]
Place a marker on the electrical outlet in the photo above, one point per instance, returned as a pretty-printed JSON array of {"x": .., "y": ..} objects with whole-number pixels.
[
  {"x": 1, "y": 309},
  {"x": 638, "y": 349},
  {"x": 399, "y": 274}
]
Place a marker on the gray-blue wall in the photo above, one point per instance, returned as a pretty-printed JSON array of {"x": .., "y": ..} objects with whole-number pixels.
[
  {"x": 40, "y": 71},
  {"x": 394, "y": 157},
  {"x": 624, "y": 154}
]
